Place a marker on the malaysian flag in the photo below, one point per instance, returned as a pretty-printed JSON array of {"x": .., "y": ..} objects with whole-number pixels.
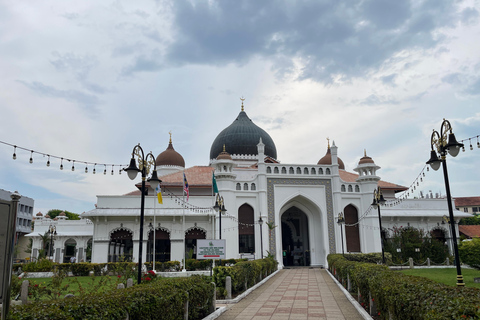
[{"x": 185, "y": 186}]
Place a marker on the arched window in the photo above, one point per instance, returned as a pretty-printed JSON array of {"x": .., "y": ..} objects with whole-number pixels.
[
  {"x": 313, "y": 171},
  {"x": 239, "y": 187},
  {"x": 320, "y": 171},
  {"x": 245, "y": 186},
  {"x": 350, "y": 188},
  {"x": 162, "y": 245},
  {"x": 305, "y": 171},
  {"x": 246, "y": 230},
  {"x": 343, "y": 188},
  {"x": 327, "y": 171},
  {"x": 299, "y": 171},
  {"x": 120, "y": 246},
  {"x": 191, "y": 237},
  {"x": 291, "y": 171},
  {"x": 352, "y": 232},
  {"x": 275, "y": 170},
  {"x": 253, "y": 187},
  {"x": 284, "y": 170},
  {"x": 269, "y": 170},
  {"x": 357, "y": 188},
  {"x": 70, "y": 251}
]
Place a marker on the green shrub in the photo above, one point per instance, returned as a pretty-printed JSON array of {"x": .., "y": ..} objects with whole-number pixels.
[
  {"x": 153, "y": 300},
  {"x": 42, "y": 265},
  {"x": 398, "y": 296},
  {"x": 470, "y": 252},
  {"x": 193, "y": 264}
]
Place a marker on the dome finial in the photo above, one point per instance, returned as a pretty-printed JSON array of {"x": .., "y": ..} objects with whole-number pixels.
[
  {"x": 328, "y": 142},
  {"x": 243, "y": 99},
  {"x": 170, "y": 133},
  {"x": 364, "y": 152}
]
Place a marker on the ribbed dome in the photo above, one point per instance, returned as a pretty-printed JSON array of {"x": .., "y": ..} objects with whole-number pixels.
[
  {"x": 327, "y": 159},
  {"x": 365, "y": 159},
  {"x": 242, "y": 137},
  {"x": 170, "y": 157},
  {"x": 224, "y": 155}
]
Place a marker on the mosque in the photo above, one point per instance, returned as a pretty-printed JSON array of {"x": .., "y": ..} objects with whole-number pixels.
[{"x": 289, "y": 211}]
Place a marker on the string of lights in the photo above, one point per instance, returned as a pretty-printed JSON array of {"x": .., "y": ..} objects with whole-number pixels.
[{"x": 66, "y": 159}]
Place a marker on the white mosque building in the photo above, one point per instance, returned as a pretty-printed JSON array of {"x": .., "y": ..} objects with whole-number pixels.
[{"x": 298, "y": 203}]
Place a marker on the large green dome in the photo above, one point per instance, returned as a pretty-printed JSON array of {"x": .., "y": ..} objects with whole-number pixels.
[{"x": 242, "y": 137}]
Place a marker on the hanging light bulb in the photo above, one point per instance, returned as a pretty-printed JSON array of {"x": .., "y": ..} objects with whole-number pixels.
[
  {"x": 94, "y": 168},
  {"x": 73, "y": 165},
  {"x": 120, "y": 171},
  {"x": 463, "y": 148},
  {"x": 31, "y": 157},
  {"x": 86, "y": 168},
  {"x": 478, "y": 143},
  {"x": 14, "y": 154},
  {"x": 112, "y": 169},
  {"x": 61, "y": 164},
  {"x": 105, "y": 170},
  {"x": 471, "y": 147},
  {"x": 48, "y": 161}
]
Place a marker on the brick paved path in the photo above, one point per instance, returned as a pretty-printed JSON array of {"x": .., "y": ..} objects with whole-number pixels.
[{"x": 299, "y": 293}]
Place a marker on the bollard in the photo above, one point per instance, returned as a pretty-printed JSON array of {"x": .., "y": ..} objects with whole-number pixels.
[
  {"x": 448, "y": 261},
  {"x": 428, "y": 262},
  {"x": 410, "y": 261},
  {"x": 120, "y": 286},
  {"x": 349, "y": 284},
  {"x": 129, "y": 282},
  {"x": 69, "y": 295},
  {"x": 228, "y": 286},
  {"x": 213, "y": 306},
  {"x": 185, "y": 309},
  {"x": 24, "y": 292},
  {"x": 373, "y": 307}
]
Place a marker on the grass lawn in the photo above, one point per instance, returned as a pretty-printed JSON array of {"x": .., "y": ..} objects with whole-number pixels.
[{"x": 447, "y": 276}]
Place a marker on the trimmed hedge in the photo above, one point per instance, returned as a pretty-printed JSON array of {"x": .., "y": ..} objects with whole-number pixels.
[
  {"x": 244, "y": 274},
  {"x": 398, "y": 296},
  {"x": 164, "y": 299}
]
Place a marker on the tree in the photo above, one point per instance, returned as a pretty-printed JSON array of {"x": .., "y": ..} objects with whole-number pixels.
[
  {"x": 474, "y": 220},
  {"x": 469, "y": 252},
  {"x": 70, "y": 215}
]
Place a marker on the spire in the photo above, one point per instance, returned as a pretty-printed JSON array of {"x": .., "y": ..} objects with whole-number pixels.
[
  {"x": 243, "y": 99},
  {"x": 328, "y": 142},
  {"x": 170, "y": 133},
  {"x": 364, "y": 152}
]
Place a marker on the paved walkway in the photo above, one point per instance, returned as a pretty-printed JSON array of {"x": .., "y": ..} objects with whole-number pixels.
[{"x": 300, "y": 293}]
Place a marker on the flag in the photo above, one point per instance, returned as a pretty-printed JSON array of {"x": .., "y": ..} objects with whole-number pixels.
[
  {"x": 185, "y": 185},
  {"x": 214, "y": 183},
  {"x": 158, "y": 189}
]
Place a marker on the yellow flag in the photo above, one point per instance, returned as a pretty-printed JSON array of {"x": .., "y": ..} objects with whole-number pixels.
[{"x": 159, "y": 194}]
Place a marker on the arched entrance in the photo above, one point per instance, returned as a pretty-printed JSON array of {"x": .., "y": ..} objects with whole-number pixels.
[
  {"x": 246, "y": 229},
  {"x": 295, "y": 238},
  {"x": 162, "y": 245},
  {"x": 121, "y": 246},
  {"x": 191, "y": 237},
  {"x": 69, "y": 251}
]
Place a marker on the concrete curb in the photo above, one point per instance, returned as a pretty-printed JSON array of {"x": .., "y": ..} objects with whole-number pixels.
[
  {"x": 352, "y": 300},
  {"x": 216, "y": 314},
  {"x": 246, "y": 293}
]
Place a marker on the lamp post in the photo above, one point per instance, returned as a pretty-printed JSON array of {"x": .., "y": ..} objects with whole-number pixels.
[
  {"x": 378, "y": 200},
  {"x": 144, "y": 165},
  {"x": 52, "y": 231},
  {"x": 340, "y": 221},
  {"x": 260, "y": 223},
  {"x": 440, "y": 146},
  {"x": 220, "y": 208}
]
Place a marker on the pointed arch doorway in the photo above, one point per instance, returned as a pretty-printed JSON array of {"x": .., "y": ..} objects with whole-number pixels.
[{"x": 295, "y": 238}]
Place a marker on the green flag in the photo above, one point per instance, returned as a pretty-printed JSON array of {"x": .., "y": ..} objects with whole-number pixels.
[{"x": 214, "y": 183}]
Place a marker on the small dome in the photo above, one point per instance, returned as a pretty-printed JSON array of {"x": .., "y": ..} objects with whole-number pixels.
[
  {"x": 242, "y": 137},
  {"x": 62, "y": 214},
  {"x": 327, "y": 159},
  {"x": 39, "y": 214},
  {"x": 170, "y": 157},
  {"x": 55, "y": 219},
  {"x": 47, "y": 216},
  {"x": 224, "y": 155},
  {"x": 365, "y": 159}
]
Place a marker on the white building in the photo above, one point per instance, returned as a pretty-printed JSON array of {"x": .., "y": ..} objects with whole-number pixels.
[{"x": 300, "y": 202}]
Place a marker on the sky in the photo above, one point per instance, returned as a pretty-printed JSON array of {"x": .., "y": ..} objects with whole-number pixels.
[{"x": 88, "y": 80}]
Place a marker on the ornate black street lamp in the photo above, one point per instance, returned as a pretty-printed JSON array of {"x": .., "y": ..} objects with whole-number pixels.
[
  {"x": 378, "y": 200},
  {"x": 341, "y": 221},
  {"x": 260, "y": 223},
  {"x": 52, "y": 231},
  {"x": 144, "y": 165},
  {"x": 440, "y": 147},
  {"x": 220, "y": 208}
]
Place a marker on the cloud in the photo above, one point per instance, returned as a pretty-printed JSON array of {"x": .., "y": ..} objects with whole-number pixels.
[
  {"x": 87, "y": 101},
  {"x": 328, "y": 38},
  {"x": 469, "y": 16}
]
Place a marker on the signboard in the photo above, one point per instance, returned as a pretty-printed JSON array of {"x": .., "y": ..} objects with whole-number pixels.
[
  {"x": 211, "y": 249},
  {"x": 8, "y": 216}
]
